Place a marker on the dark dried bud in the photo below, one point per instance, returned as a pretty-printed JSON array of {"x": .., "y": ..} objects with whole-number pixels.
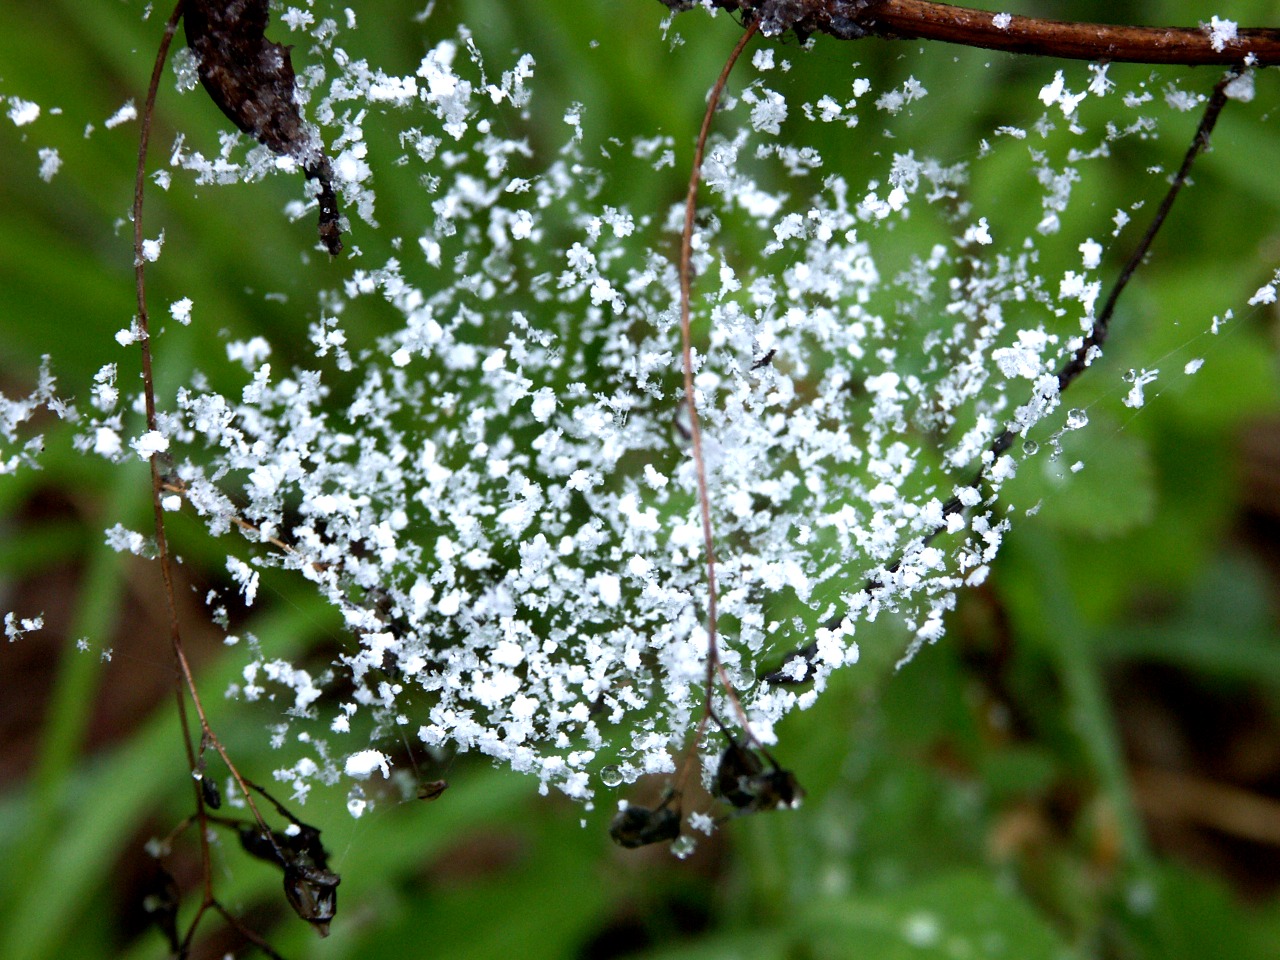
[
  {"x": 251, "y": 80},
  {"x": 309, "y": 885},
  {"x": 432, "y": 789},
  {"x": 312, "y": 891},
  {"x": 745, "y": 782},
  {"x": 210, "y": 791},
  {"x": 161, "y": 905},
  {"x": 640, "y": 826}
]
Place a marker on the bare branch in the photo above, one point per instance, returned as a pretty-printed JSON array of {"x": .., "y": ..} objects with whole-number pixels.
[
  {"x": 1190, "y": 46},
  {"x": 925, "y": 20}
]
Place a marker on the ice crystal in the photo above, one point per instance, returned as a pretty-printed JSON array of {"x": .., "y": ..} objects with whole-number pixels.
[
  {"x": 16, "y": 627},
  {"x": 23, "y": 112},
  {"x": 50, "y": 163},
  {"x": 123, "y": 115}
]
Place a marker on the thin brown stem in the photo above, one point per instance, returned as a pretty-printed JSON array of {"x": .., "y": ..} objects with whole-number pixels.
[
  {"x": 256, "y": 939},
  {"x": 180, "y": 488},
  {"x": 1190, "y": 46},
  {"x": 686, "y": 342},
  {"x": 1102, "y": 324},
  {"x": 185, "y": 679},
  {"x": 1101, "y": 327},
  {"x": 926, "y": 20}
]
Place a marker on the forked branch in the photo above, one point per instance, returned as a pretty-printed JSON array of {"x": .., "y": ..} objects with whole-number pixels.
[{"x": 185, "y": 679}]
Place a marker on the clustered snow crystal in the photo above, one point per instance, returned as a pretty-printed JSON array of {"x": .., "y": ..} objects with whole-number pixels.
[{"x": 499, "y": 496}]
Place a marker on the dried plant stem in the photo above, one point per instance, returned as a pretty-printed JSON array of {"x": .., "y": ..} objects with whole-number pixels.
[
  {"x": 177, "y": 486},
  {"x": 944, "y": 22},
  {"x": 1101, "y": 327},
  {"x": 1086, "y": 352},
  {"x": 686, "y": 341},
  {"x": 1190, "y": 46},
  {"x": 185, "y": 679}
]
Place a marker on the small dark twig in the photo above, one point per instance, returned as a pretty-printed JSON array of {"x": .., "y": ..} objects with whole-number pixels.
[
  {"x": 1102, "y": 325},
  {"x": 184, "y": 677},
  {"x": 1101, "y": 328},
  {"x": 1080, "y": 359}
]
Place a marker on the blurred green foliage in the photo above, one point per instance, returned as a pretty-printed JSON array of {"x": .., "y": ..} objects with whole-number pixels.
[{"x": 976, "y": 803}]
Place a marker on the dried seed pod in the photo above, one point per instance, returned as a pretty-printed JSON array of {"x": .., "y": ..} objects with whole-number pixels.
[
  {"x": 750, "y": 784},
  {"x": 431, "y": 789},
  {"x": 312, "y": 891},
  {"x": 161, "y": 905},
  {"x": 251, "y": 80},
  {"x": 211, "y": 792},
  {"x": 635, "y": 826},
  {"x": 309, "y": 885}
]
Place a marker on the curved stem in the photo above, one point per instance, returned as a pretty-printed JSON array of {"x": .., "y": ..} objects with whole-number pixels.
[
  {"x": 185, "y": 679},
  {"x": 686, "y": 341}
]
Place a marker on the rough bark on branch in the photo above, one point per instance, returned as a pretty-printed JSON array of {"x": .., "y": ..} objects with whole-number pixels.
[{"x": 926, "y": 20}]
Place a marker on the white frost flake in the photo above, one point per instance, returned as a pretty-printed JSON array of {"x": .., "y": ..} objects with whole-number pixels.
[
  {"x": 180, "y": 310},
  {"x": 1056, "y": 92},
  {"x": 1139, "y": 379},
  {"x": 609, "y": 587},
  {"x": 1025, "y": 360},
  {"x": 123, "y": 115},
  {"x": 1091, "y": 252},
  {"x": 50, "y": 163},
  {"x": 149, "y": 444},
  {"x": 1221, "y": 33},
  {"x": 23, "y": 112},
  {"x": 14, "y": 627},
  {"x": 246, "y": 577},
  {"x": 544, "y": 404},
  {"x": 362, "y": 764},
  {"x": 151, "y": 248}
]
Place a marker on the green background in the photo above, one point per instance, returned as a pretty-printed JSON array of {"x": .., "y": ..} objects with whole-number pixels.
[{"x": 1088, "y": 765}]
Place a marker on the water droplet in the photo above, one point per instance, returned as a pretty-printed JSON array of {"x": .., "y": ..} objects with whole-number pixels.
[
  {"x": 1130, "y": 376},
  {"x": 1029, "y": 447},
  {"x": 1055, "y": 449},
  {"x": 683, "y": 847},
  {"x": 611, "y": 775},
  {"x": 1076, "y": 418}
]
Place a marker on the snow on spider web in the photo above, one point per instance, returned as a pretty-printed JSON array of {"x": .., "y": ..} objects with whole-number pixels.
[{"x": 498, "y": 493}]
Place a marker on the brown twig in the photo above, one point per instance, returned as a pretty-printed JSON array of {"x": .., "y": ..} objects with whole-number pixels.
[
  {"x": 686, "y": 340},
  {"x": 1101, "y": 328},
  {"x": 925, "y": 20},
  {"x": 1102, "y": 325},
  {"x": 180, "y": 488},
  {"x": 1189, "y": 46},
  {"x": 185, "y": 679},
  {"x": 1232, "y": 810},
  {"x": 148, "y": 382}
]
